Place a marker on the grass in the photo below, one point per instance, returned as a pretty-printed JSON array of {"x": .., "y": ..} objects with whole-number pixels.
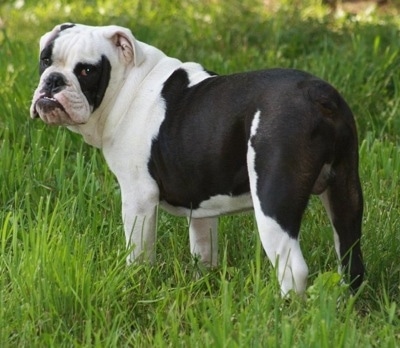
[{"x": 63, "y": 279}]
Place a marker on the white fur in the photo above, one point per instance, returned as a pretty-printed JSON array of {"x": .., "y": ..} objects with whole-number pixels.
[
  {"x": 203, "y": 237},
  {"x": 214, "y": 206},
  {"x": 196, "y": 73}
]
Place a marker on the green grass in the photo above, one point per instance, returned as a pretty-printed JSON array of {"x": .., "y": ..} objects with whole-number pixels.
[{"x": 63, "y": 278}]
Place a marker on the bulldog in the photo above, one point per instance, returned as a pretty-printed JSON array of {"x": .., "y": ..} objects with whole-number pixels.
[{"x": 201, "y": 145}]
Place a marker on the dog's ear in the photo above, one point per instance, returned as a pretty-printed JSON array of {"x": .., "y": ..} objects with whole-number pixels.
[{"x": 127, "y": 46}]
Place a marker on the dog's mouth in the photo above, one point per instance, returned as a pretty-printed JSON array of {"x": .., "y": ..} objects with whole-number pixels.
[
  {"x": 45, "y": 105},
  {"x": 51, "y": 111}
]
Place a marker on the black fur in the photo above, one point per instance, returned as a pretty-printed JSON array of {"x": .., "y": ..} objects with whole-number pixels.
[
  {"x": 304, "y": 123},
  {"x": 95, "y": 81}
]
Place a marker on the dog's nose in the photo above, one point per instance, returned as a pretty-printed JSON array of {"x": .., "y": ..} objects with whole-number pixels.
[{"x": 54, "y": 83}]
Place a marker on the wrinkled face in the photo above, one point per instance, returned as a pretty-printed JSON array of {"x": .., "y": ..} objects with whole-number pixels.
[{"x": 76, "y": 63}]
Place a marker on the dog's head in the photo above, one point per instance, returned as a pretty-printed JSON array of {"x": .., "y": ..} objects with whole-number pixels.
[{"x": 79, "y": 65}]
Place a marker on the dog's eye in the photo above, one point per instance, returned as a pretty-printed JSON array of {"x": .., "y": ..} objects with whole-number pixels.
[
  {"x": 87, "y": 70},
  {"x": 45, "y": 63}
]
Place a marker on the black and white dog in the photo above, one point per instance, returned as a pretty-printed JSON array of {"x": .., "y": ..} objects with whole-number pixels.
[{"x": 202, "y": 145}]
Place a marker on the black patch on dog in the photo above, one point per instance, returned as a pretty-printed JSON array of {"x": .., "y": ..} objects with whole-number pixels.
[
  {"x": 202, "y": 143},
  {"x": 46, "y": 57},
  {"x": 66, "y": 26},
  {"x": 47, "y": 53},
  {"x": 94, "y": 79},
  {"x": 201, "y": 147}
]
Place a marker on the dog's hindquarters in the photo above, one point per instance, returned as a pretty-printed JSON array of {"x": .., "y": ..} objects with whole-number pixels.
[
  {"x": 308, "y": 147},
  {"x": 342, "y": 198}
]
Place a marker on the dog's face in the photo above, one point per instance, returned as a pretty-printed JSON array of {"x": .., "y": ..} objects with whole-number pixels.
[{"x": 79, "y": 66}]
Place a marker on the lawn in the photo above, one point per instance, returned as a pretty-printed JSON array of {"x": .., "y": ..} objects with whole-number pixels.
[{"x": 63, "y": 277}]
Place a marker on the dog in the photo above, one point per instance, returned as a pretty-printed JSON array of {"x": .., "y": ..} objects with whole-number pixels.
[{"x": 201, "y": 145}]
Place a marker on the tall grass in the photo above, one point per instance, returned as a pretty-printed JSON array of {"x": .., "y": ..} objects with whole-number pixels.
[{"x": 63, "y": 278}]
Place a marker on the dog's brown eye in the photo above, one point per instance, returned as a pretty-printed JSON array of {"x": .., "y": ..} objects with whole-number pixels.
[{"x": 86, "y": 71}]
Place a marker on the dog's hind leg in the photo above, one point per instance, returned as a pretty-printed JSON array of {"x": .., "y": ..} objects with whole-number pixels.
[
  {"x": 342, "y": 195},
  {"x": 280, "y": 241},
  {"x": 284, "y": 253},
  {"x": 344, "y": 204},
  {"x": 279, "y": 200},
  {"x": 203, "y": 236}
]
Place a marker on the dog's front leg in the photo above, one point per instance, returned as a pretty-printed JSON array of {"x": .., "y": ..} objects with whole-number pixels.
[
  {"x": 140, "y": 197},
  {"x": 139, "y": 214},
  {"x": 140, "y": 235}
]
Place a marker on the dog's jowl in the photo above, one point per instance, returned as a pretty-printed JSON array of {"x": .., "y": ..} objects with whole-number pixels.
[{"x": 201, "y": 145}]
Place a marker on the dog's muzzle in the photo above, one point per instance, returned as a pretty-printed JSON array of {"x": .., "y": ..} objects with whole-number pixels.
[{"x": 47, "y": 105}]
